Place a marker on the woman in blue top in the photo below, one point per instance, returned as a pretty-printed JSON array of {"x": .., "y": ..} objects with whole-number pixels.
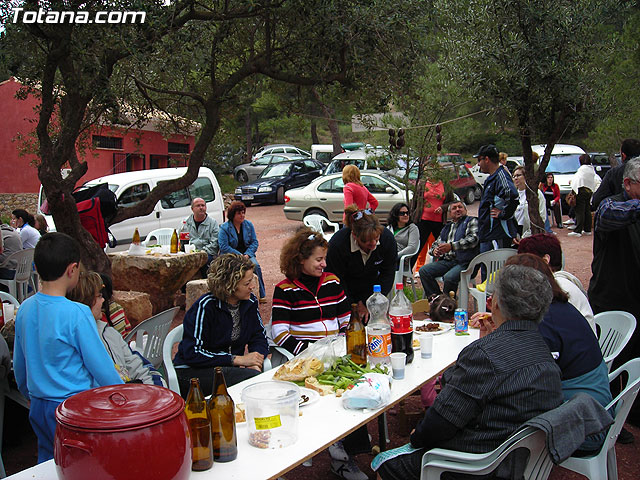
[{"x": 237, "y": 235}]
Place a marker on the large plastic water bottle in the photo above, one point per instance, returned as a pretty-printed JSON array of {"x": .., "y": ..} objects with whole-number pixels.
[
  {"x": 401, "y": 315},
  {"x": 378, "y": 329}
]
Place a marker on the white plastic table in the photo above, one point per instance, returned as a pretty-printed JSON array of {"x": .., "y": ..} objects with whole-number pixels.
[{"x": 320, "y": 425}]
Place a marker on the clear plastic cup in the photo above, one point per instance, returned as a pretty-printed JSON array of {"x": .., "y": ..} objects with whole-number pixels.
[
  {"x": 398, "y": 362},
  {"x": 426, "y": 345}
]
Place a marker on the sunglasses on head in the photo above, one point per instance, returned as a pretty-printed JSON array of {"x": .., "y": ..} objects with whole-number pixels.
[{"x": 361, "y": 213}]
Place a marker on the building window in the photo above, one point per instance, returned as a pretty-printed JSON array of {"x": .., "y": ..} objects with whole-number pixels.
[
  {"x": 178, "y": 147},
  {"x": 114, "y": 143}
]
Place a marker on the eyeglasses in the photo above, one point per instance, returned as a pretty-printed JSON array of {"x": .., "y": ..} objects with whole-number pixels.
[
  {"x": 361, "y": 213},
  {"x": 403, "y": 214}
]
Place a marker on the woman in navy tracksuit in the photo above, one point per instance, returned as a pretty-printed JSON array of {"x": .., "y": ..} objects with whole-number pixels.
[{"x": 219, "y": 326}]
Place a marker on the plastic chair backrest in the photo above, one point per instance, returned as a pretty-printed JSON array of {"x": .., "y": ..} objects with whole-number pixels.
[
  {"x": 314, "y": 222},
  {"x": 538, "y": 467},
  {"x": 156, "y": 328},
  {"x": 5, "y": 297},
  {"x": 493, "y": 260},
  {"x": 174, "y": 336},
  {"x": 615, "y": 330},
  {"x": 624, "y": 400},
  {"x": 162, "y": 236},
  {"x": 19, "y": 284}
]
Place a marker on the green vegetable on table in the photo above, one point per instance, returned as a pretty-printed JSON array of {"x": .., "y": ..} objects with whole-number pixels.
[{"x": 344, "y": 373}]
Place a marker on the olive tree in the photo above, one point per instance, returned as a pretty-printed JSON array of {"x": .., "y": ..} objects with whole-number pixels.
[
  {"x": 188, "y": 58},
  {"x": 534, "y": 60}
]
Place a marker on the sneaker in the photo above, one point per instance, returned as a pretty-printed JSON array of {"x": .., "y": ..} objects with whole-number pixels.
[
  {"x": 337, "y": 452},
  {"x": 586, "y": 233},
  {"x": 574, "y": 234},
  {"x": 572, "y": 227},
  {"x": 625, "y": 437},
  {"x": 348, "y": 470},
  {"x": 559, "y": 226},
  {"x": 571, "y": 221}
]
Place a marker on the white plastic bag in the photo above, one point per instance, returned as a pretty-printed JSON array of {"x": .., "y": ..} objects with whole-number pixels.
[{"x": 371, "y": 391}]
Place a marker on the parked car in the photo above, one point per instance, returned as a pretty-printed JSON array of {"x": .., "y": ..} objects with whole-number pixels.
[
  {"x": 563, "y": 163},
  {"x": 462, "y": 181},
  {"x": 276, "y": 179},
  {"x": 478, "y": 175},
  {"x": 324, "y": 196},
  {"x": 248, "y": 172},
  {"x": 601, "y": 163},
  {"x": 133, "y": 187},
  {"x": 366, "y": 159},
  {"x": 513, "y": 162},
  {"x": 279, "y": 148}
]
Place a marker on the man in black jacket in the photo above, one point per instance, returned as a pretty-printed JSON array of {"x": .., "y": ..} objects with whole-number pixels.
[
  {"x": 362, "y": 254},
  {"x": 612, "y": 181}
]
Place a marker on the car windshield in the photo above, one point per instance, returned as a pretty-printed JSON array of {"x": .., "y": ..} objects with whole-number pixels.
[
  {"x": 563, "y": 164},
  {"x": 277, "y": 170},
  {"x": 393, "y": 180}
]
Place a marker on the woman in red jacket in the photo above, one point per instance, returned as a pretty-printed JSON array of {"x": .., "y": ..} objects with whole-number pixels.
[{"x": 551, "y": 193}]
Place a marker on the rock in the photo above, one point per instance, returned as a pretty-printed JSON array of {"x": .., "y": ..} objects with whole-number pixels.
[
  {"x": 158, "y": 275},
  {"x": 137, "y": 305},
  {"x": 195, "y": 289}
]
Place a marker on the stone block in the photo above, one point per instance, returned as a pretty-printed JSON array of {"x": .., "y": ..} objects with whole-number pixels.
[
  {"x": 137, "y": 305},
  {"x": 195, "y": 289}
]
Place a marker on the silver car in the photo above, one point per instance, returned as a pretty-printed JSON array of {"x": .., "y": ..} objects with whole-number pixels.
[
  {"x": 248, "y": 172},
  {"x": 324, "y": 196}
]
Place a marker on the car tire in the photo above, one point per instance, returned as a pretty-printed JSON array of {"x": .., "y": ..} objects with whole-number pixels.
[
  {"x": 478, "y": 191},
  {"x": 315, "y": 211},
  {"x": 242, "y": 176},
  {"x": 246, "y": 204},
  {"x": 280, "y": 196},
  {"x": 470, "y": 196}
]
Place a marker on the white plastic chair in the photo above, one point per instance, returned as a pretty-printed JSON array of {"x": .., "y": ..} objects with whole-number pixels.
[
  {"x": 493, "y": 261},
  {"x": 19, "y": 285},
  {"x": 156, "y": 328},
  {"x": 6, "y": 297},
  {"x": 162, "y": 236},
  {"x": 603, "y": 465},
  {"x": 174, "y": 336},
  {"x": 616, "y": 328},
  {"x": 439, "y": 460},
  {"x": 317, "y": 222},
  {"x": 405, "y": 270}
]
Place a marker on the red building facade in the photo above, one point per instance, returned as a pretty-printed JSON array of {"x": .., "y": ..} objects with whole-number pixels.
[{"x": 111, "y": 149}]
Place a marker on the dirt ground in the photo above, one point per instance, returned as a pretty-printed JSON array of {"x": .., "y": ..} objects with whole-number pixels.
[{"x": 273, "y": 229}]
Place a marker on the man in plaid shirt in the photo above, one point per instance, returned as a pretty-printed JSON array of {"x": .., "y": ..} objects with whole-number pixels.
[{"x": 453, "y": 250}]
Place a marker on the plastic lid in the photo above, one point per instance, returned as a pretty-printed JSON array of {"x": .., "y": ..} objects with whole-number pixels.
[
  {"x": 119, "y": 407},
  {"x": 376, "y": 288},
  {"x": 399, "y": 286}
]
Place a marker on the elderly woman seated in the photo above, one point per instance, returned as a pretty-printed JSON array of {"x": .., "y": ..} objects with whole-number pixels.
[{"x": 498, "y": 382}]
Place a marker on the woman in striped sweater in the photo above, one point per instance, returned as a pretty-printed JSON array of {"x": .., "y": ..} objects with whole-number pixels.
[{"x": 309, "y": 304}]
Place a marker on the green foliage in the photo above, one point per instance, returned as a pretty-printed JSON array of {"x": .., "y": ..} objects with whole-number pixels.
[{"x": 227, "y": 183}]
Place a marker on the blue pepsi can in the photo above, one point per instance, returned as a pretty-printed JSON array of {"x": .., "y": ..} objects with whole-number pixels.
[{"x": 461, "y": 321}]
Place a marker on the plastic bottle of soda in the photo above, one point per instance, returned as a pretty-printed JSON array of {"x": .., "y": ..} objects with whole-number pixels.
[
  {"x": 378, "y": 329},
  {"x": 401, "y": 315}
]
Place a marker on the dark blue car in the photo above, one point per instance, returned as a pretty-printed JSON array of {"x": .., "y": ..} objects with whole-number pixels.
[{"x": 277, "y": 179}]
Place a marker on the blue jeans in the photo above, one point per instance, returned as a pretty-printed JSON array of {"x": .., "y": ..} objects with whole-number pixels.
[
  {"x": 258, "y": 272},
  {"x": 42, "y": 416},
  {"x": 449, "y": 270}
]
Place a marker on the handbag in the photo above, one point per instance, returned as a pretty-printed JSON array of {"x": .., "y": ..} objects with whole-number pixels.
[{"x": 571, "y": 199}]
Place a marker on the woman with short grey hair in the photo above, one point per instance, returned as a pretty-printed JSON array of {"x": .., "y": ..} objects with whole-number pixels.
[{"x": 513, "y": 293}]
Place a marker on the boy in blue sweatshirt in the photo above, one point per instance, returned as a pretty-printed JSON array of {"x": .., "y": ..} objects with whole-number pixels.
[{"x": 57, "y": 351}]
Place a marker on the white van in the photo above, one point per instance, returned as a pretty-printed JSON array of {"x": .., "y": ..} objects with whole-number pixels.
[
  {"x": 322, "y": 152},
  {"x": 563, "y": 163},
  {"x": 169, "y": 212}
]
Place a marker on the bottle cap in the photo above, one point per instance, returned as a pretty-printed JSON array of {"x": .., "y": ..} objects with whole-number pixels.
[
  {"x": 399, "y": 286},
  {"x": 376, "y": 288}
]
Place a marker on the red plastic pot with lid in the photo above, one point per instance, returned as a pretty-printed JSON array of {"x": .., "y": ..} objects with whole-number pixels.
[{"x": 122, "y": 431}]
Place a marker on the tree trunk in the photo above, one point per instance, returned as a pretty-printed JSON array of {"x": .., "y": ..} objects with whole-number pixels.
[
  {"x": 314, "y": 125},
  {"x": 331, "y": 123}
]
